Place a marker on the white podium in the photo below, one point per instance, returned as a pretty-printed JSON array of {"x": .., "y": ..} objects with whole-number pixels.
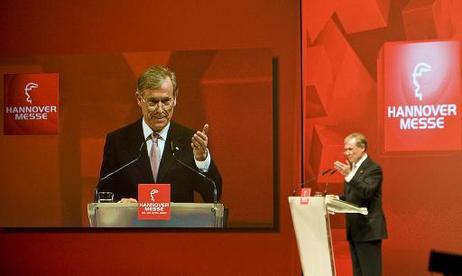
[{"x": 312, "y": 231}]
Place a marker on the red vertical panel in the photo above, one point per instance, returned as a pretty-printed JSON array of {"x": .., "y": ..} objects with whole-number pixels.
[{"x": 98, "y": 30}]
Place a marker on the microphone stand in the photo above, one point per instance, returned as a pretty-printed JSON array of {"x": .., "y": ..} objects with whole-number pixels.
[
  {"x": 119, "y": 169},
  {"x": 327, "y": 182},
  {"x": 302, "y": 185},
  {"x": 215, "y": 190}
]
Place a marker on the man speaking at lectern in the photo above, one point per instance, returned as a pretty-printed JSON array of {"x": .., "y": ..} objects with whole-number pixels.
[
  {"x": 161, "y": 149},
  {"x": 363, "y": 187}
]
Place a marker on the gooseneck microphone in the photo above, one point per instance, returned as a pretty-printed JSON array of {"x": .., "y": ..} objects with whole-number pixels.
[
  {"x": 120, "y": 168},
  {"x": 332, "y": 171},
  {"x": 175, "y": 149},
  {"x": 314, "y": 178}
]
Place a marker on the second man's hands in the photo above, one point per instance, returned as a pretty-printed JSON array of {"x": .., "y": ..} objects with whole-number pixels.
[{"x": 343, "y": 168}]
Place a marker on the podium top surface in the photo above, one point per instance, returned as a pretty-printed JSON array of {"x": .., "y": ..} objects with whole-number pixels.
[
  {"x": 333, "y": 205},
  {"x": 182, "y": 215},
  {"x": 172, "y": 205}
]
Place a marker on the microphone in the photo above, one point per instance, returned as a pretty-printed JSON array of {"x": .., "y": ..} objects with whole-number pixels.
[
  {"x": 327, "y": 183},
  {"x": 120, "y": 168},
  {"x": 215, "y": 191},
  {"x": 302, "y": 185},
  {"x": 314, "y": 178},
  {"x": 326, "y": 171}
]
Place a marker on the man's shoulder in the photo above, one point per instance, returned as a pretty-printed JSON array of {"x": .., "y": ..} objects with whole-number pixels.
[
  {"x": 128, "y": 130},
  {"x": 369, "y": 162},
  {"x": 180, "y": 130}
]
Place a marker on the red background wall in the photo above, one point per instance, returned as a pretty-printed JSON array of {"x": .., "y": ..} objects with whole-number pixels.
[
  {"x": 421, "y": 191},
  {"x": 33, "y": 30}
]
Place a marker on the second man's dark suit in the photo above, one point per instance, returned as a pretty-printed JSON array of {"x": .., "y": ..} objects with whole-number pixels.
[
  {"x": 366, "y": 232},
  {"x": 123, "y": 145}
]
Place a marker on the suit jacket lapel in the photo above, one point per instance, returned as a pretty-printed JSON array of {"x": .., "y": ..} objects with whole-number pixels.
[
  {"x": 143, "y": 165},
  {"x": 167, "y": 157},
  {"x": 358, "y": 174},
  {"x": 364, "y": 165}
]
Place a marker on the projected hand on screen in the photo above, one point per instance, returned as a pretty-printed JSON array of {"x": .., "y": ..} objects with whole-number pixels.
[
  {"x": 199, "y": 144},
  {"x": 127, "y": 200}
]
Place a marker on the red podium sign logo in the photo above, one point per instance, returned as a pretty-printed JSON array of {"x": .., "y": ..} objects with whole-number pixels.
[
  {"x": 31, "y": 104},
  {"x": 305, "y": 195},
  {"x": 154, "y": 201},
  {"x": 421, "y": 96}
]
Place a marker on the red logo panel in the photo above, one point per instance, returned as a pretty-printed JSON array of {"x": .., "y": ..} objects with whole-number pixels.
[
  {"x": 31, "y": 104},
  {"x": 305, "y": 195},
  {"x": 154, "y": 201},
  {"x": 421, "y": 96}
]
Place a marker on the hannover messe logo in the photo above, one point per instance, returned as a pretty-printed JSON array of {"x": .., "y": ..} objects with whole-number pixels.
[
  {"x": 31, "y": 103},
  {"x": 421, "y": 96},
  {"x": 418, "y": 71},
  {"x": 28, "y": 88},
  {"x": 154, "y": 201}
]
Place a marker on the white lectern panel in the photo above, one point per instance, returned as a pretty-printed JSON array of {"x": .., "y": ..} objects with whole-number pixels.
[{"x": 313, "y": 236}]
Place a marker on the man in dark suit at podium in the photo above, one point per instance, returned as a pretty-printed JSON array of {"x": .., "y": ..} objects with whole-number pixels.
[
  {"x": 363, "y": 187},
  {"x": 163, "y": 149}
]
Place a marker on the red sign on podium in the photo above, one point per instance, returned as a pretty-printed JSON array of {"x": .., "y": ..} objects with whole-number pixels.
[
  {"x": 305, "y": 195},
  {"x": 154, "y": 201}
]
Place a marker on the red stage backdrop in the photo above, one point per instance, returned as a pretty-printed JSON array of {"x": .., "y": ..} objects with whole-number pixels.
[
  {"x": 340, "y": 44},
  {"x": 389, "y": 69}
]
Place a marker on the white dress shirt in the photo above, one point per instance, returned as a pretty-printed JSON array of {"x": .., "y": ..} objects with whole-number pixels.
[
  {"x": 355, "y": 168},
  {"x": 203, "y": 166}
]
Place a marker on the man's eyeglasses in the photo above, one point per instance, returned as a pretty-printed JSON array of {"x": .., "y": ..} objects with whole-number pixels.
[{"x": 153, "y": 103}]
